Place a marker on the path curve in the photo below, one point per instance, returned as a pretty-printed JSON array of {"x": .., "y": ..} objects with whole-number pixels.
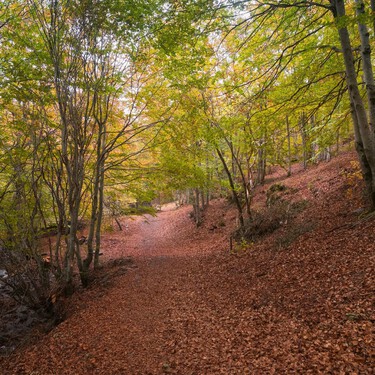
[
  {"x": 186, "y": 307},
  {"x": 124, "y": 326}
]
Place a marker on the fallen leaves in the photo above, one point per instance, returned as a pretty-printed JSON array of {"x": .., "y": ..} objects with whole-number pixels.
[{"x": 183, "y": 305}]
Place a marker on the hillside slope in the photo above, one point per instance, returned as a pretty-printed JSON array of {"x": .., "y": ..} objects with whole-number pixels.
[{"x": 297, "y": 300}]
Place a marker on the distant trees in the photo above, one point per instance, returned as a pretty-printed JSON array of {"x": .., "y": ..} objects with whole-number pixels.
[{"x": 245, "y": 98}]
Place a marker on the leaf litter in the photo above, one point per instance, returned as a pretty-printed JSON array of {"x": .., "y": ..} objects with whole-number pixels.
[{"x": 181, "y": 303}]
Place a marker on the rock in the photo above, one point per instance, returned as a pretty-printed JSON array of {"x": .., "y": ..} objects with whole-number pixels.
[{"x": 3, "y": 274}]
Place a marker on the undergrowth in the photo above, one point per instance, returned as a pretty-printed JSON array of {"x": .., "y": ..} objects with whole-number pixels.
[{"x": 266, "y": 221}]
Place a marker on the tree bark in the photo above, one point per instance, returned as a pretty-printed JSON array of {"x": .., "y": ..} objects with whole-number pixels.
[
  {"x": 364, "y": 137},
  {"x": 101, "y": 200},
  {"x": 366, "y": 62},
  {"x": 233, "y": 189},
  {"x": 261, "y": 173},
  {"x": 196, "y": 206},
  {"x": 289, "y": 148}
]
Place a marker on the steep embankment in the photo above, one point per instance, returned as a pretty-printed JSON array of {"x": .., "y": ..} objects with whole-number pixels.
[{"x": 300, "y": 300}]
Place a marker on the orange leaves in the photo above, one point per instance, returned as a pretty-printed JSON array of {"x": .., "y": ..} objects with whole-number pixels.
[{"x": 188, "y": 307}]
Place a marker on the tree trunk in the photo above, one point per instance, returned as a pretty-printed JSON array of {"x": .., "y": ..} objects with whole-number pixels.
[
  {"x": 289, "y": 148},
  {"x": 366, "y": 61},
  {"x": 246, "y": 192},
  {"x": 373, "y": 18},
  {"x": 101, "y": 202},
  {"x": 233, "y": 189},
  {"x": 304, "y": 136},
  {"x": 94, "y": 206},
  {"x": 261, "y": 173},
  {"x": 364, "y": 137},
  {"x": 196, "y": 206}
]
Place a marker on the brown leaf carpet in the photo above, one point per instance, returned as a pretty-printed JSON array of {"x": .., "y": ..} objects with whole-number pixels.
[{"x": 187, "y": 306}]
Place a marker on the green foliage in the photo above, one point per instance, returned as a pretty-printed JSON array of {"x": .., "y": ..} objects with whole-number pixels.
[
  {"x": 240, "y": 247},
  {"x": 147, "y": 94},
  {"x": 353, "y": 178}
]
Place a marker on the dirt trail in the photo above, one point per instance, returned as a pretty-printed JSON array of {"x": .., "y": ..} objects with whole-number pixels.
[
  {"x": 171, "y": 233},
  {"x": 185, "y": 306},
  {"x": 122, "y": 327}
]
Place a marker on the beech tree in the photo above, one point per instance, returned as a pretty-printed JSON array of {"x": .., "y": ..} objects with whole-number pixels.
[
  {"x": 102, "y": 101},
  {"x": 363, "y": 122},
  {"x": 299, "y": 21},
  {"x": 70, "y": 92}
]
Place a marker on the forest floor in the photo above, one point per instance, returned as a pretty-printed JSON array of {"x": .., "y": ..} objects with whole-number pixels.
[{"x": 172, "y": 298}]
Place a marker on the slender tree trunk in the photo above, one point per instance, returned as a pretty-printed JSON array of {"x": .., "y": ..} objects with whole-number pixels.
[
  {"x": 289, "y": 147},
  {"x": 118, "y": 223},
  {"x": 202, "y": 199},
  {"x": 100, "y": 217},
  {"x": 196, "y": 207},
  {"x": 312, "y": 147},
  {"x": 338, "y": 141},
  {"x": 208, "y": 182},
  {"x": 94, "y": 207},
  {"x": 304, "y": 136},
  {"x": 233, "y": 189},
  {"x": 261, "y": 165},
  {"x": 101, "y": 163},
  {"x": 245, "y": 189},
  {"x": 236, "y": 160}
]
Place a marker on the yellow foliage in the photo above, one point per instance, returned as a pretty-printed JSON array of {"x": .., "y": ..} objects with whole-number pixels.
[{"x": 352, "y": 177}]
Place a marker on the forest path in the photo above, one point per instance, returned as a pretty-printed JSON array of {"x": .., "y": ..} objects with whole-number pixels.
[
  {"x": 123, "y": 324},
  {"x": 171, "y": 233},
  {"x": 184, "y": 306}
]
